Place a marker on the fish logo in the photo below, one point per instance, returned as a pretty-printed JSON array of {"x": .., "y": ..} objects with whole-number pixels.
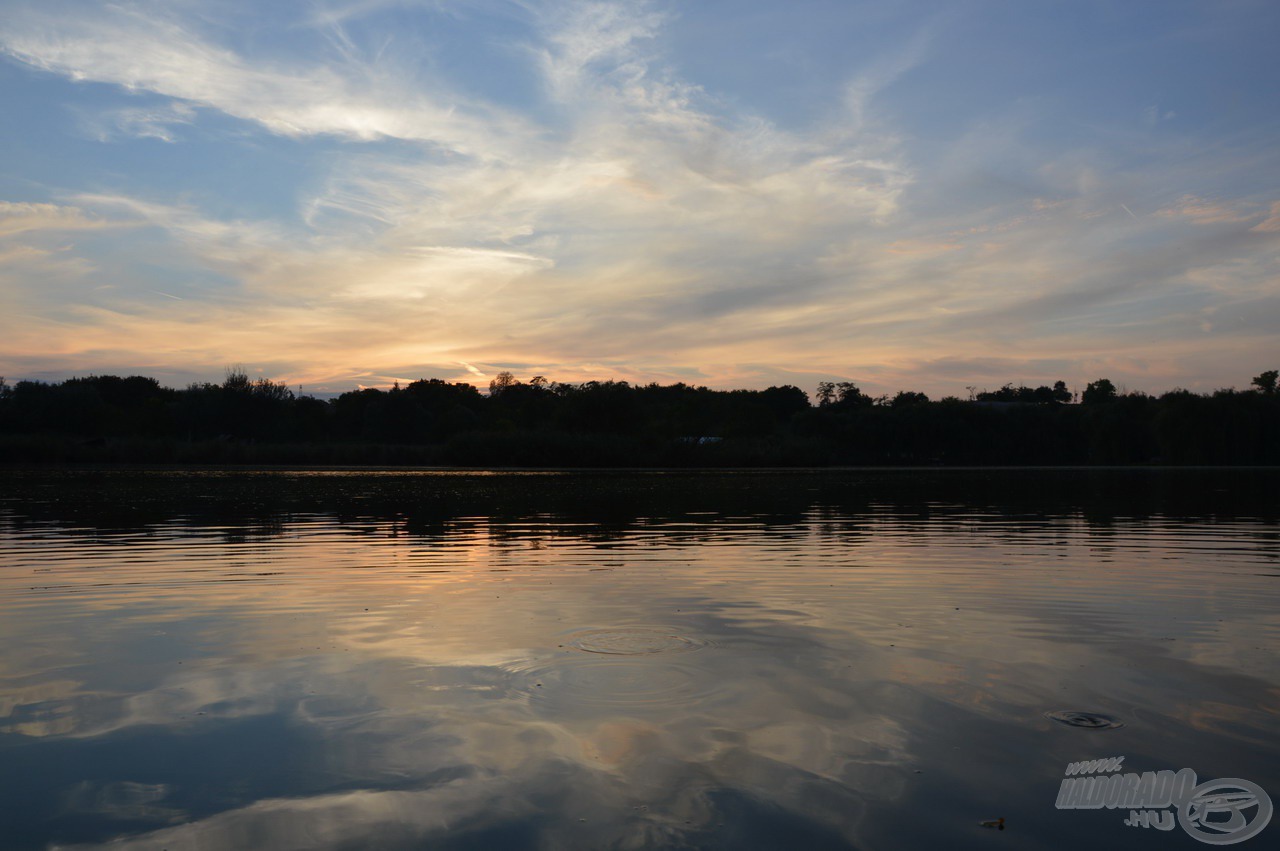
[
  {"x": 1216, "y": 812},
  {"x": 1226, "y": 811}
]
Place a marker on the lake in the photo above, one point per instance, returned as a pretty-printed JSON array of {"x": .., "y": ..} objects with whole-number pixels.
[{"x": 627, "y": 660}]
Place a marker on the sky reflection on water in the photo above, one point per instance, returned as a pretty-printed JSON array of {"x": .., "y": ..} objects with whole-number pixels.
[{"x": 828, "y": 660}]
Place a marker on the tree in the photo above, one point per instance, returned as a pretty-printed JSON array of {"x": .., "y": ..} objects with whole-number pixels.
[
  {"x": 237, "y": 380},
  {"x": 785, "y": 401},
  {"x": 265, "y": 388},
  {"x": 1266, "y": 382},
  {"x": 908, "y": 397},
  {"x": 826, "y": 393},
  {"x": 851, "y": 394},
  {"x": 502, "y": 381},
  {"x": 1101, "y": 390}
]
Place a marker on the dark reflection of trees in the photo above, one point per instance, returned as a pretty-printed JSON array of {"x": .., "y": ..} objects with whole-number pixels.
[{"x": 603, "y": 508}]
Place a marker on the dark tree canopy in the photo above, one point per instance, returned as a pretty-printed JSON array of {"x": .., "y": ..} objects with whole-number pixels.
[
  {"x": 1101, "y": 390},
  {"x": 544, "y": 423}
]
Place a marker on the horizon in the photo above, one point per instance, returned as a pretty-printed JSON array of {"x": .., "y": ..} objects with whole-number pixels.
[
  {"x": 918, "y": 197},
  {"x": 970, "y": 393}
]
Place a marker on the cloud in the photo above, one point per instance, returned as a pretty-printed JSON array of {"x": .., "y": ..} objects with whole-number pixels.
[
  {"x": 20, "y": 217},
  {"x": 587, "y": 41},
  {"x": 620, "y": 220},
  {"x": 644, "y": 184},
  {"x": 1152, "y": 115},
  {"x": 1201, "y": 211},
  {"x": 867, "y": 85},
  {"x": 1272, "y": 223},
  {"x": 142, "y": 123},
  {"x": 40, "y": 269},
  {"x": 920, "y": 247},
  {"x": 146, "y": 47}
]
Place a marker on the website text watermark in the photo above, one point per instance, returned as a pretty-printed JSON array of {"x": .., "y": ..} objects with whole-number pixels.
[{"x": 1216, "y": 812}]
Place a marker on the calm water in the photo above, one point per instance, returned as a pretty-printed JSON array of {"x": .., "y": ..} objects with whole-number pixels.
[{"x": 641, "y": 660}]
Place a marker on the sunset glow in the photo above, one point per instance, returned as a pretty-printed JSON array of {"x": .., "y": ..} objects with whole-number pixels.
[{"x": 917, "y": 195}]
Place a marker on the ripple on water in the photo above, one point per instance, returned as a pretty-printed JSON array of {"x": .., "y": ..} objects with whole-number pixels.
[
  {"x": 1085, "y": 720},
  {"x": 634, "y": 641},
  {"x": 628, "y": 668},
  {"x": 634, "y": 684}
]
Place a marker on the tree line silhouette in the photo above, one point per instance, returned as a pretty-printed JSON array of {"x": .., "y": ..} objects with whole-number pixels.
[{"x": 110, "y": 418}]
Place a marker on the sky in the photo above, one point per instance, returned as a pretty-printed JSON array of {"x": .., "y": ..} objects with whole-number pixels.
[{"x": 907, "y": 195}]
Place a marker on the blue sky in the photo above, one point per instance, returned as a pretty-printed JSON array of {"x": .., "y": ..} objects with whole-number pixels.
[{"x": 908, "y": 195}]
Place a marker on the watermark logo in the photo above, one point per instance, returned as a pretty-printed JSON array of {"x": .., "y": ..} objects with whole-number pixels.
[{"x": 1216, "y": 812}]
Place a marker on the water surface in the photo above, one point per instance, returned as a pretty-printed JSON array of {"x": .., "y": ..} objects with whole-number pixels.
[{"x": 230, "y": 660}]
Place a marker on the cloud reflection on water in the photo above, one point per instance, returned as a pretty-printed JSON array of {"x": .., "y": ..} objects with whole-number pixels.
[{"x": 341, "y": 692}]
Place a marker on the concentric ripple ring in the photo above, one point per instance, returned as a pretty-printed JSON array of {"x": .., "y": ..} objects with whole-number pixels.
[
  {"x": 634, "y": 641},
  {"x": 1085, "y": 720}
]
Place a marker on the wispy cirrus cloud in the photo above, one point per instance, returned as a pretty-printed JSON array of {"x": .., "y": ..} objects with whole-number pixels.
[
  {"x": 151, "y": 47},
  {"x": 17, "y": 218},
  {"x": 1272, "y": 222},
  {"x": 1201, "y": 211},
  {"x": 141, "y": 122},
  {"x": 642, "y": 184}
]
